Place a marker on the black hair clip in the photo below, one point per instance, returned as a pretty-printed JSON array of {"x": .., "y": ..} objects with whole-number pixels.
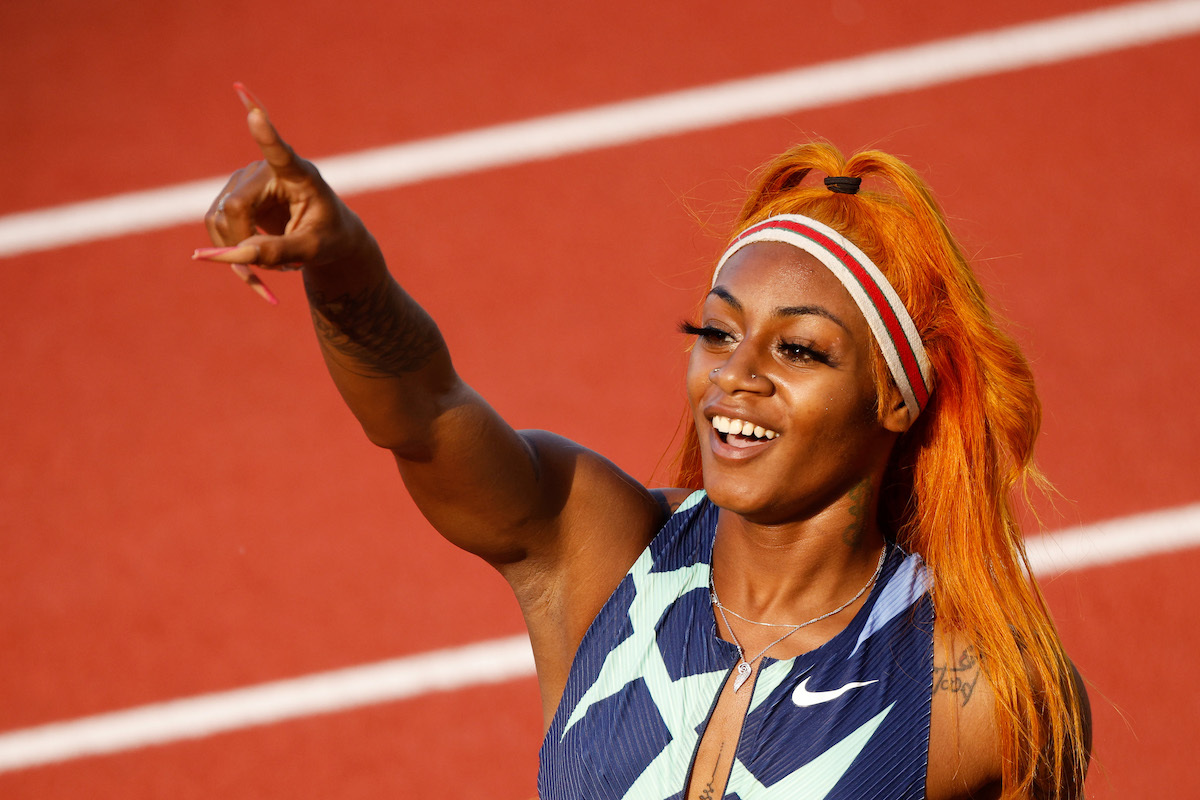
[{"x": 843, "y": 185}]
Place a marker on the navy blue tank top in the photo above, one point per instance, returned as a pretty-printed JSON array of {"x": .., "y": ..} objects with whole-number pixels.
[{"x": 847, "y": 721}]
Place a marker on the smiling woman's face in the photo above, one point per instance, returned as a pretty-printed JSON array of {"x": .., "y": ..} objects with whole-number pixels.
[{"x": 782, "y": 346}]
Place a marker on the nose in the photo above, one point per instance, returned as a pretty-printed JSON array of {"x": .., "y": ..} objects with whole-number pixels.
[{"x": 739, "y": 373}]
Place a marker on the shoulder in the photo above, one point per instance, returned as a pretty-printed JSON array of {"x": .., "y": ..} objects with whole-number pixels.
[
  {"x": 592, "y": 501},
  {"x": 964, "y": 738}
]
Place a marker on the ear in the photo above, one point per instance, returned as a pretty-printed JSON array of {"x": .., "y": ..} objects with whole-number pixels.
[{"x": 894, "y": 414}]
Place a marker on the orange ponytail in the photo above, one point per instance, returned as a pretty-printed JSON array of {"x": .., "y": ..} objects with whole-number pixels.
[{"x": 948, "y": 490}]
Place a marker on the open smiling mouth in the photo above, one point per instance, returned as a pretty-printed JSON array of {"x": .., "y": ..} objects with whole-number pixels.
[{"x": 740, "y": 433}]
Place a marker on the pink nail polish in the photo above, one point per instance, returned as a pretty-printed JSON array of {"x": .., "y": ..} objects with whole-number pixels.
[
  {"x": 242, "y": 254},
  {"x": 261, "y": 289},
  {"x": 209, "y": 252},
  {"x": 255, "y": 283},
  {"x": 247, "y": 97}
]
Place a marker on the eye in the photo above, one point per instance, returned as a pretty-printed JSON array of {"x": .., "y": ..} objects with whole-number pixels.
[
  {"x": 708, "y": 334},
  {"x": 800, "y": 353}
]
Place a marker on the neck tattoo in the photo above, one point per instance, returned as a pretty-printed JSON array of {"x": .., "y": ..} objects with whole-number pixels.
[{"x": 744, "y": 664}]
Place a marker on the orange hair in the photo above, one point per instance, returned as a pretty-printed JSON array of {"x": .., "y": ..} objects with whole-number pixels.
[{"x": 948, "y": 490}]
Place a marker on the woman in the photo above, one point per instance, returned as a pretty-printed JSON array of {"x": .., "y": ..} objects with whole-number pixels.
[{"x": 843, "y": 611}]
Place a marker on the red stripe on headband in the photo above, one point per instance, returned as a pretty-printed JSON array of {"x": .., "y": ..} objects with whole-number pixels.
[{"x": 908, "y": 358}]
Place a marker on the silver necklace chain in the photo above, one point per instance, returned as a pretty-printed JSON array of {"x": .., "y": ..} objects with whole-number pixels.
[{"x": 744, "y": 664}]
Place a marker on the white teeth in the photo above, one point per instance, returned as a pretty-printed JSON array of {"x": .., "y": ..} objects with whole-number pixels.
[{"x": 741, "y": 427}]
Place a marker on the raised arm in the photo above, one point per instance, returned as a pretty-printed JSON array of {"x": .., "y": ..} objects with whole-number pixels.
[{"x": 503, "y": 495}]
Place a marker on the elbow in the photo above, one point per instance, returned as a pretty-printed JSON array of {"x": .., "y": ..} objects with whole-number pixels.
[
  {"x": 406, "y": 442},
  {"x": 412, "y": 426},
  {"x": 384, "y": 437}
]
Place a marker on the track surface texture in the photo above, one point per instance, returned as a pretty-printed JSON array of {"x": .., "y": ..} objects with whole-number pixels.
[{"x": 188, "y": 509}]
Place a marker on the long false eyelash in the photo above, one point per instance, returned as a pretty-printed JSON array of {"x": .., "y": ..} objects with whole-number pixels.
[
  {"x": 792, "y": 349},
  {"x": 789, "y": 349},
  {"x": 702, "y": 331}
]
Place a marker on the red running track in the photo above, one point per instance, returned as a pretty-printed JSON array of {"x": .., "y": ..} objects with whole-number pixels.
[{"x": 188, "y": 508}]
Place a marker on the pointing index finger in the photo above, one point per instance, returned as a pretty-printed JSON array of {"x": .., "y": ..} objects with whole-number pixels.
[{"x": 274, "y": 149}]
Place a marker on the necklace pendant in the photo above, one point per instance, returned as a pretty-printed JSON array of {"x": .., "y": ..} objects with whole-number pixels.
[{"x": 743, "y": 672}]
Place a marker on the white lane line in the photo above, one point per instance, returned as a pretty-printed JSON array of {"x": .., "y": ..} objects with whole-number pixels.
[
  {"x": 884, "y": 72},
  {"x": 1114, "y": 540},
  {"x": 486, "y": 662},
  {"x": 204, "y": 715}
]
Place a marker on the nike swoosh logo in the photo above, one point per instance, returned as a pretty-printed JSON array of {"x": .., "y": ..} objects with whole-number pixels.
[{"x": 804, "y": 698}]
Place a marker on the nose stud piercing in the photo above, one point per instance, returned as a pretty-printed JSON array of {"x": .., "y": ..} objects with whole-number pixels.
[{"x": 716, "y": 371}]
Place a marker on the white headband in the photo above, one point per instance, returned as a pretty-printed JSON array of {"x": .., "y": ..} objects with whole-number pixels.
[{"x": 890, "y": 323}]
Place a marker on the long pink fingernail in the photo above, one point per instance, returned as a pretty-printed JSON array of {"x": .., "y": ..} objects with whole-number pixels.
[
  {"x": 248, "y": 99},
  {"x": 255, "y": 283},
  {"x": 209, "y": 252},
  {"x": 241, "y": 254}
]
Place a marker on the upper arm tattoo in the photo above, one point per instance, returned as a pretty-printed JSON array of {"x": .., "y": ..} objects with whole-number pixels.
[
  {"x": 960, "y": 677},
  {"x": 377, "y": 328}
]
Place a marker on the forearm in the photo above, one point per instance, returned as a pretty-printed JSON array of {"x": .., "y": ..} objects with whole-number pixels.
[{"x": 383, "y": 351}]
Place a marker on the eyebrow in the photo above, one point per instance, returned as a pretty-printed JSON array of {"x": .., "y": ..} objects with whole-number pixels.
[{"x": 782, "y": 311}]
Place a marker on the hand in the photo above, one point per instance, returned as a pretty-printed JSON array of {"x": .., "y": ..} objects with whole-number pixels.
[{"x": 279, "y": 213}]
